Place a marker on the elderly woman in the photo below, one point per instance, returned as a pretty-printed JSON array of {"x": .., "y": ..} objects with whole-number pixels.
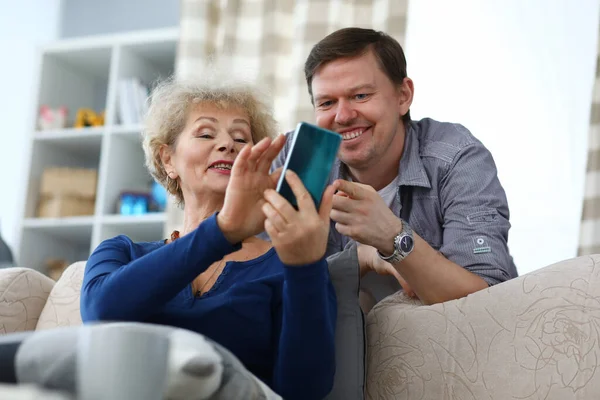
[{"x": 271, "y": 304}]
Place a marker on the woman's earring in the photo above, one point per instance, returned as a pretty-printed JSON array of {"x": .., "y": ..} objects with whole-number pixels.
[{"x": 171, "y": 179}]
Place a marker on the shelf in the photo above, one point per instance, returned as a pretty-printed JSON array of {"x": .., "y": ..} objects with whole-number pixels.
[
  {"x": 76, "y": 230},
  {"x": 83, "y": 152},
  {"x": 65, "y": 239},
  {"x": 126, "y": 129},
  {"x": 94, "y": 60},
  {"x": 159, "y": 54},
  {"x": 53, "y": 222},
  {"x": 84, "y": 141},
  {"x": 131, "y": 133},
  {"x": 99, "y": 41},
  {"x": 75, "y": 80},
  {"x": 125, "y": 153},
  {"x": 69, "y": 133},
  {"x": 146, "y": 219},
  {"x": 85, "y": 73},
  {"x": 140, "y": 228}
]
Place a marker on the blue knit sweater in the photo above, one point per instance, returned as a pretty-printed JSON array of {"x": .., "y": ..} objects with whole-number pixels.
[{"x": 278, "y": 320}]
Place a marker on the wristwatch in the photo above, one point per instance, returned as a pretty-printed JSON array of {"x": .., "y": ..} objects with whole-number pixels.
[{"x": 404, "y": 244}]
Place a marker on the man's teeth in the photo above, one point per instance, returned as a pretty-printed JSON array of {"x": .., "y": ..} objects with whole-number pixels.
[
  {"x": 222, "y": 166},
  {"x": 352, "y": 134}
]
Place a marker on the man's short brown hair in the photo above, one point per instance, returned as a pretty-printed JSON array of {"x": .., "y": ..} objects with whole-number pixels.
[{"x": 353, "y": 42}]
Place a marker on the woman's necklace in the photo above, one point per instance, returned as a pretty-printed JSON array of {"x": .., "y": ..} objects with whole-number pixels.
[{"x": 220, "y": 266}]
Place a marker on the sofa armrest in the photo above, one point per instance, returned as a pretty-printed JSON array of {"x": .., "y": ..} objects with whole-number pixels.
[
  {"x": 23, "y": 294},
  {"x": 62, "y": 308},
  {"x": 533, "y": 337}
]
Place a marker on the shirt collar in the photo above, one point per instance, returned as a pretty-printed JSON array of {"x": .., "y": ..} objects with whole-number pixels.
[{"x": 411, "y": 171}]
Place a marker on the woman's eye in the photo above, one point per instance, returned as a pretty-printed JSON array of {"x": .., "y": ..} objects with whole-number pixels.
[
  {"x": 204, "y": 135},
  {"x": 241, "y": 140}
]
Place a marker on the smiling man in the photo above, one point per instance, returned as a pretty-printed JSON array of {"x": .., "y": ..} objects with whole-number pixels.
[{"x": 421, "y": 196}]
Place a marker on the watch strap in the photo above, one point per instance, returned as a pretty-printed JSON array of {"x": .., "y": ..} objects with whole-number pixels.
[{"x": 398, "y": 254}]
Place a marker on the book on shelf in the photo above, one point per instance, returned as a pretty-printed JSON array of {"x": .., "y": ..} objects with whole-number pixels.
[{"x": 132, "y": 100}]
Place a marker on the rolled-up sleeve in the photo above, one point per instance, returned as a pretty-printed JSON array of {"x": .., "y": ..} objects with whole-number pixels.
[
  {"x": 279, "y": 161},
  {"x": 476, "y": 216}
]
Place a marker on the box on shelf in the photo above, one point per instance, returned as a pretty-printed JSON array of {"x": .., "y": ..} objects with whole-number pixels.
[{"x": 67, "y": 192}]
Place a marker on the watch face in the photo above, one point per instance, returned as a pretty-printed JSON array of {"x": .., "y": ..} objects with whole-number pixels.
[{"x": 406, "y": 244}]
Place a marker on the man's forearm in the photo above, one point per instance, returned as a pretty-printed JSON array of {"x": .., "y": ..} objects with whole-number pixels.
[{"x": 434, "y": 278}]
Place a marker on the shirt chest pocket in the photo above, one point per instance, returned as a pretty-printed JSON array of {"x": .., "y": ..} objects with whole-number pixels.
[{"x": 427, "y": 221}]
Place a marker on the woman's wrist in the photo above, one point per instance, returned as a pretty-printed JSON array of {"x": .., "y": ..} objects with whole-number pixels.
[{"x": 226, "y": 229}]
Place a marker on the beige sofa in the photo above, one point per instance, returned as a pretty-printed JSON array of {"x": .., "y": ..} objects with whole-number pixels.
[
  {"x": 535, "y": 337},
  {"x": 30, "y": 300}
]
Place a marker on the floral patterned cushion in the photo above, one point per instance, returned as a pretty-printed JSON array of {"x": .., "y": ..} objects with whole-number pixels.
[
  {"x": 62, "y": 308},
  {"x": 534, "y": 337},
  {"x": 23, "y": 294}
]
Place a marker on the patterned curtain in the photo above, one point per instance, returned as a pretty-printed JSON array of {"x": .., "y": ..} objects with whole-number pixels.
[
  {"x": 589, "y": 236},
  {"x": 273, "y": 38}
]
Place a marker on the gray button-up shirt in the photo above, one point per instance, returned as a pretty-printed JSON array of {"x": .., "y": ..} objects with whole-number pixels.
[{"x": 458, "y": 204}]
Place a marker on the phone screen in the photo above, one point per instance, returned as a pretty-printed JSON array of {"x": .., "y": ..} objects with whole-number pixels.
[{"x": 311, "y": 157}]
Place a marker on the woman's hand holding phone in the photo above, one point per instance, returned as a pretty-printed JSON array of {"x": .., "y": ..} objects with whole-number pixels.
[
  {"x": 299, "y": 236},
  {"x": 240, "y": 216}
]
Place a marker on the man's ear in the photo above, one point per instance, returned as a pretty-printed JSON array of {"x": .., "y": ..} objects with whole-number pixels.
[
  {"x": 406, "y": 92},
  {"x": 166, "y": 157}
]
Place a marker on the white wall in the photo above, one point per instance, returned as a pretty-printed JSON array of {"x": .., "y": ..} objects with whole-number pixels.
[
  {"x": 24, "y": 25},
  {"x": 518, "y": 74}
]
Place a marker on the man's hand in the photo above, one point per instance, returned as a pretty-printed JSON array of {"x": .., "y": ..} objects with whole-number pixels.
[
  {"x": 370, "y": 261},
  {"x": 361, "y": 214}
]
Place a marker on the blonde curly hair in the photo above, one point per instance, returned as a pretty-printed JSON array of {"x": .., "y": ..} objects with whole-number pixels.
[{"x": 170, "y": 103}]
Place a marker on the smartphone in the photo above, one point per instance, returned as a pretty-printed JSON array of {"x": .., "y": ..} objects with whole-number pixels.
[{"x": 311, "y": 157}]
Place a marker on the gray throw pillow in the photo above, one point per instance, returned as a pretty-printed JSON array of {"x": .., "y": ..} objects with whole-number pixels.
[
  {"x": 350, "y": 332},
  {"x": 198, "y": 368},
  {"x": 350, "y": 347}
]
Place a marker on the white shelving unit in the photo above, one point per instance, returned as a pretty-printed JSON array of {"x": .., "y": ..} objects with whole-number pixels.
[{"x": 84, "y": 73}]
